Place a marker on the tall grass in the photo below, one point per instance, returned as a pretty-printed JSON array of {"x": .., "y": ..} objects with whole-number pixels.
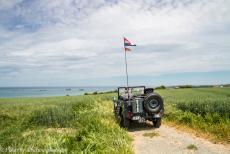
[
  {"x": 81, "y": 124},
  {"x": 85, "y": 124},
  {"x": 204, "y": 106},
  {"x": 207, "y": 110}
]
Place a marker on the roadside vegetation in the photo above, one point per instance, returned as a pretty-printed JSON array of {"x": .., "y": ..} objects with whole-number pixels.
[
  {"x": 205, "y": 110},
  {"x": 85, "y": 124},
  {"x": 78, "y": 124}
]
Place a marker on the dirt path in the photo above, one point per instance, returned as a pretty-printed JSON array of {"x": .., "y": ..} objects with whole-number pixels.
[{"x": 168, "y": 140}]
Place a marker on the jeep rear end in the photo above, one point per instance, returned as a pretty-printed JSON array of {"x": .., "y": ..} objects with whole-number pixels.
[{"x": 139, "y": 104}]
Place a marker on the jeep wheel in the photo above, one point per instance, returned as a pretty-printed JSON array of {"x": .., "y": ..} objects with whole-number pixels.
[
  {"x": 153, "y": 103},
  {"x": 124, "y": 122},
  {"x": 157, "y": 122}
]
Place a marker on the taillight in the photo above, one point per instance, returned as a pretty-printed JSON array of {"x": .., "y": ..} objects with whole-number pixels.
[{"x": 130, "y": 114}]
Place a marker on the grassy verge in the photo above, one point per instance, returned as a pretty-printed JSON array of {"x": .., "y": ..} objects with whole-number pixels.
[
  {"x": 85, "y": 124},
  {"x": 205, "y": 110},
  {"x": 80, "y": 124}
]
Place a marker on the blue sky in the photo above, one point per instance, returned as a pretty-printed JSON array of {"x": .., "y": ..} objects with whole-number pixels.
[{"x": 79, "y": 42}]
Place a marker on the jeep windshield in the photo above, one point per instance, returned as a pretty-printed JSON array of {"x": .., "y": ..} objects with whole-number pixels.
[{"x": 130, "y": 91}]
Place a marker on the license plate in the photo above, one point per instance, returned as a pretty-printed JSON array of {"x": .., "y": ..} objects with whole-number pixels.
[{"x": 136, "y": 118}]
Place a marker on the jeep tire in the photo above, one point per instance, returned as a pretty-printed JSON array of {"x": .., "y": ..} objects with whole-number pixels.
[
  {"x": 153, "y": 103},
  {"x": 157, "y": 122},
  {"x": 124, "y": 122}
]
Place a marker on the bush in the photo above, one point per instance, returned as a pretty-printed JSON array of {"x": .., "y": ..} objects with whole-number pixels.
[
  {"x": 161, "y": 87},
  {"x": 185, "y": 86}
]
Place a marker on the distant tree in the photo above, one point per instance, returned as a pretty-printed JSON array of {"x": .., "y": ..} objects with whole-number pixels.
[
  {"x": 186, "y": 86},
  {"x": 161, "y": 87}
]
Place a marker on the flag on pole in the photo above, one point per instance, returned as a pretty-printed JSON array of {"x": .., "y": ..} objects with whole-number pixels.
[
  {"x": 128, "y": 43},
  {"x": 127, "y": 49}
]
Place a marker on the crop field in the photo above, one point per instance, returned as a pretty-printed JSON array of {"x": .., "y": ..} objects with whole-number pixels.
[
  {"x": 206, "y": 110},
  {"x": 85, "y": 124},
  {"x": 81, "y": 124}
]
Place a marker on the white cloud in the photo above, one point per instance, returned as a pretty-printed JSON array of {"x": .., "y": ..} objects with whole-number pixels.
[
  {"x": 83, "y": 39},
  {"x": 8, "y": 4}
]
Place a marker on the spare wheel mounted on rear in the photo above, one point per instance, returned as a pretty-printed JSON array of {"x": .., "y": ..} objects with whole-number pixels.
[{"x": 153, "y": 103}]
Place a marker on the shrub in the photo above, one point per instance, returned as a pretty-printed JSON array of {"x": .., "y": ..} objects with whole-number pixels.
[
  {"x": 185, "y": 86},
  {"x": 160, "y": 87}
]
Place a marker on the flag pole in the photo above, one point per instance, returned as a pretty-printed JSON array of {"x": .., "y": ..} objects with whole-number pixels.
[
  {"x": 126, "y": 70},
  {"x": 127, "y": 76},
  {"x": 127, "y": 43}
]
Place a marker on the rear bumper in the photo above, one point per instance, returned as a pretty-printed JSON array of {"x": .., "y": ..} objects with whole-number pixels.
[{"x": 144, "y": 117}]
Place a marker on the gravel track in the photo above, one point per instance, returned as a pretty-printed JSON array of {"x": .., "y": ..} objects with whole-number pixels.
[{"x": 168, "y": 140}]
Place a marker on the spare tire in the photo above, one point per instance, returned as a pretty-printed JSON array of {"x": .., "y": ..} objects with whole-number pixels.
[{"x": 153, "y": 103}]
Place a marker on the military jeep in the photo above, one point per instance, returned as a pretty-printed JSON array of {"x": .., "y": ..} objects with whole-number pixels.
[{"x": 138, "y": 104}]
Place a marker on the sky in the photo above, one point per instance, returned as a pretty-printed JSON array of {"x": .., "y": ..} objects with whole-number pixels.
[{"x": 80, "y": 42}]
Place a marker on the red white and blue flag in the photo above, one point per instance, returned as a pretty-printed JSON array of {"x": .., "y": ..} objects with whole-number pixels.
[{"x": 128, "y": 43}]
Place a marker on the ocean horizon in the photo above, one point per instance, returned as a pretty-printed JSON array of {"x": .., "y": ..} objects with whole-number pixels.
[{"x": 12, "y": 92}]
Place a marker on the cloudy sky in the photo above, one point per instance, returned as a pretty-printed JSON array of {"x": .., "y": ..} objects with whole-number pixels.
[{"x": 80, "y": 42}]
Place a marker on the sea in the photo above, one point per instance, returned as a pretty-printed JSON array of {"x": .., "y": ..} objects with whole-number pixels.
[{"x": 12, "y": 92}]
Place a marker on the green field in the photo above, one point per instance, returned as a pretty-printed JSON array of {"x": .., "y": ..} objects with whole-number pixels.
[
  {"x": 206, "y": 110},
  {"x": 80, "y": 124},
  {"x": 85, "y": 124}
]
